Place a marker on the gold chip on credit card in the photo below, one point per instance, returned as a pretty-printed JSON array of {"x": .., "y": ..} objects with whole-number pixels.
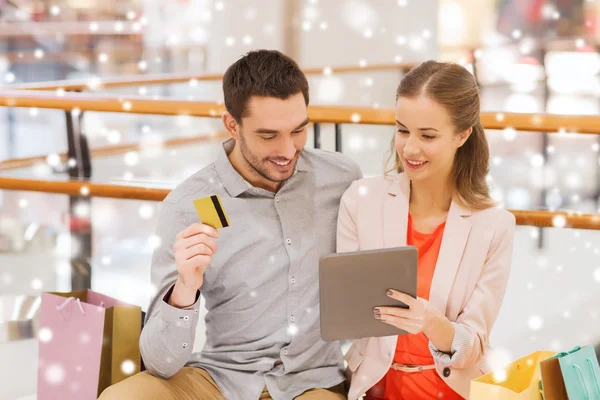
[{"x": 211, "y": 212}]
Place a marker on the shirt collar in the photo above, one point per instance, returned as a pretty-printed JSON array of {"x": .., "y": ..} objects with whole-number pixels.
[{"x": 233, "y": 182}]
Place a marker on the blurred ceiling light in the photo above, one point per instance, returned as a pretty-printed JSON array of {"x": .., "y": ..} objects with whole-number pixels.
[
  {"x": 509, "y": 134},
  {"x": 524, "y": 76},
  {"x": 359, "y": 15},
  {"x": 526, "y": 46},
  {"x": 494, "y": 63},
  {"x": 518, "y": 198},
  {"x": 536, "y": 160},
  {"x": 356, "y": 143},
  {"x": 573, "y": 72},
  {"x": 311, "y": 13},
  {"x": 522, "y": 103},
  {"x": 583, "y": 63},
  {"x": 573, "y": 180},
  {"x": 452, "y": 23},
  {"x": 199, "y": 35},
  {"x": 330, "y": 89},
  {"x": 416, "y": 43},
  {"x": 554, "y": 200},
  {"x": 572, "y": 105},
  {"x": 548, "y": 11}
]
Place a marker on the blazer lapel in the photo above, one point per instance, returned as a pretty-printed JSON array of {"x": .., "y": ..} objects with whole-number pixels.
[
  {"x": 395, "y": 211},
  {"x": 395, "y": 224},
  {"x": 456, "y": 233}
]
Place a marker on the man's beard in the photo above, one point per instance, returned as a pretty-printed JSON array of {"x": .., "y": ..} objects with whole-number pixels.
[{"x": 262, "y": 166}]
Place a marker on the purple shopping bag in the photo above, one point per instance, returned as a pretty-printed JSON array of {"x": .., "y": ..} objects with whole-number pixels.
[{"x": 87, "y": 342}]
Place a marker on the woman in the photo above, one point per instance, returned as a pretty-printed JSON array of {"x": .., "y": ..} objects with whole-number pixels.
[{"x": 438, "y": 202}]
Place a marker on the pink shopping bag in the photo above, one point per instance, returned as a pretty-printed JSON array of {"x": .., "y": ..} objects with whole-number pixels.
[{"x": 87, "y": 342}]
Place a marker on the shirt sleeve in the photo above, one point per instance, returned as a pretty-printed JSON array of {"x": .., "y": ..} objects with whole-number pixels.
[{"x": 167, "y": 339}]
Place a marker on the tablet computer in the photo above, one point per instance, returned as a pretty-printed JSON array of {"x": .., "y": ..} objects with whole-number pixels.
[{"x": 352, "y": 284}]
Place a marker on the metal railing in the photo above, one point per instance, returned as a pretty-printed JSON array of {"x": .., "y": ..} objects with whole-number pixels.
[{"x": 81, "y": 189}]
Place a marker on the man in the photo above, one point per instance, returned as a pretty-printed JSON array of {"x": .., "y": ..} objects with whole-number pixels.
[{"x": 259, "y": 276}]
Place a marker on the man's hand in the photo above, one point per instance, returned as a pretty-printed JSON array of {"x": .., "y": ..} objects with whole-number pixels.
[{"x": 193, "y": 248}]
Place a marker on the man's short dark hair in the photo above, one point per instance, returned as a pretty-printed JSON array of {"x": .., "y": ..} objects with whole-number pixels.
[{"x": 265, "y": 73}]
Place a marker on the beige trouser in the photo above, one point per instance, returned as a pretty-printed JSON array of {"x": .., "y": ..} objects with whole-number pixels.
[{"x": 192, "y": 383}]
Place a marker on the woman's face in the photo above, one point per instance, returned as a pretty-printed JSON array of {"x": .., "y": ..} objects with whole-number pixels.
[{"x": 425, "y": 139}]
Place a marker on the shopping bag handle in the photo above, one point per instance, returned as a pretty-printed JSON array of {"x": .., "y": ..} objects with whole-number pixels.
[
  {"x": 566, "y": 353},
  {"x": 67, "y": 301},
  {"x": 591, "y": 364}
]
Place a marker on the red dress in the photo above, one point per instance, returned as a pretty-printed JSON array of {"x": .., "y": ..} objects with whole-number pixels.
[{"x": 413, "y": 349}]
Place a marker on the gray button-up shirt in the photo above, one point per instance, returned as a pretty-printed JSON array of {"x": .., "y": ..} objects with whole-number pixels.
[{"x": 261, "y": 289}]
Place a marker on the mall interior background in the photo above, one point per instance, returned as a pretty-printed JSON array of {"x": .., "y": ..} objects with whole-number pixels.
[{"x": 531, "y": 56}]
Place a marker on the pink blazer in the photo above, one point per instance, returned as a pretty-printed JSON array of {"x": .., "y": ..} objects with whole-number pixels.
[{"x": 468, "y": 284}]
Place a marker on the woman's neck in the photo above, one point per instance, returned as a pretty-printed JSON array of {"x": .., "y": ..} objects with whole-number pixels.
[{"x": 431, "y": 197}]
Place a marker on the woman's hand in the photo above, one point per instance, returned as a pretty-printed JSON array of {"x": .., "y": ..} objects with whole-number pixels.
[{"x": 421, "y": 316}]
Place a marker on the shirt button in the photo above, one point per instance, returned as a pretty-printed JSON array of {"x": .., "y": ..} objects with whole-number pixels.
[
  {"x": 256, "y": 190},
  {"x": 293, "y": 280},
  {"x": 185, "y": 345},
  {"x": 277, "y": 199},
  {"x": 292, "y": 318},
  {"x": 288, "y": 241},
  {"x": 186, "y": 318},
  {"x": 446, "y": 372},
  {"x": 285, "y": 352}
]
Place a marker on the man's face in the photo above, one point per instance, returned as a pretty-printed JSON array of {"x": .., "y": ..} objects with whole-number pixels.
[{"x": 273, "y": 134}]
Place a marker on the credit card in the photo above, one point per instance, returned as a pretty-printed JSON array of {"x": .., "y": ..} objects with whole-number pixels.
[{"x": 211, "y": 211}]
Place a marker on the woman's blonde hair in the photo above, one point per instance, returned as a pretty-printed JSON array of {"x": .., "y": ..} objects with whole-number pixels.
[{"x": 455, "y": 88}]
